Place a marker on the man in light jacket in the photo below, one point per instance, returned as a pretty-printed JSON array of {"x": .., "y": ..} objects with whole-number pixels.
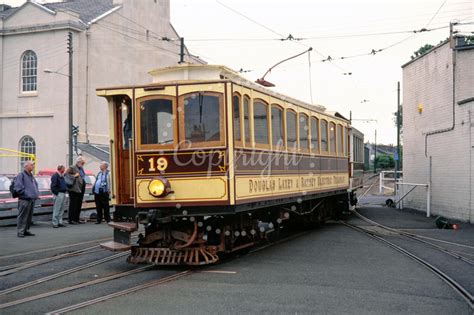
[
  {"x": 101, "y": 192},
  {"x": 27, "y": 188}
]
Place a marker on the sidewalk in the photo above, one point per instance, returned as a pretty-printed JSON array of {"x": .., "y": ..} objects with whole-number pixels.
[{"x": 48, "y": 237}]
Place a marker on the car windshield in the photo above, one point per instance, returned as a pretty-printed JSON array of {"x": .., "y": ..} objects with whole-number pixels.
[
  {"x": 4, "y": 183},
  {"x": 43, "y": 182}
]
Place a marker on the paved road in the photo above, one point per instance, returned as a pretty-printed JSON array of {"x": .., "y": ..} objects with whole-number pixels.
[{"x": 333, "y": 270}]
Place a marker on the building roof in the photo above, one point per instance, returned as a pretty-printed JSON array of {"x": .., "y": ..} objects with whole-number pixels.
[
  {"x": 6, "y": 11},
  {"x": 460, "y": 43},
  {"x": 88, "y": 10}
]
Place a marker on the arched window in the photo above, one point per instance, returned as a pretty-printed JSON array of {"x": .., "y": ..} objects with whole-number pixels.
[
  {"x": 237, "y": 109},
  {"x": 324, "y": 135},
  {"x": 340, "y": 140},
  {"x": 291, "y": 125},
  {"x": 26, "y": 145},
  {"x": 332, "y": 137},
  {"x": 314, "y": 135},
  {"x": 303, "y": 132},
  {"x": 277, "y": 128},
  {"x": 260, "y": 123},
  {"x": 29, "y": 71}
]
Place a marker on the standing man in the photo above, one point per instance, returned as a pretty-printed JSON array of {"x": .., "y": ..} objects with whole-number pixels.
[
  {"x": 101, "y": 193},
  {"x": 76, "y": 192},
  {"x": 58, "y": 188},
  {"x": 27, "y": 188}
]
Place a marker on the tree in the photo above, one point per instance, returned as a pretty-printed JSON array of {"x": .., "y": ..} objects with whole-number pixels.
[
  {"x": 385, "y": 161},
  {"x": 421, "y": 51}
]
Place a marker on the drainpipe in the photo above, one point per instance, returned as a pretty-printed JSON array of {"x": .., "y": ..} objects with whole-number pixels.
[{"x": 452, "y": 44}]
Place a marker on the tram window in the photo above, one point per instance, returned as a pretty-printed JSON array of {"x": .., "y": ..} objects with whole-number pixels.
[
  {"x": 332, "y": 137},
  {"x": 156, "y": 122},
  {"x": 291, "y": 124},
  {"x": 314, "y": 135},
  {"x": 260, "y": 122},
  {"x": 277, "y": 128},
  {"x": 202, "y": 122},
  {"x": 246, "y": 120},
  {"x": 340, "y": 140},
  {"x": 324, "y": 135},
  {"x": 236, "y": 107},
  {"x": 303, "y": 128}
]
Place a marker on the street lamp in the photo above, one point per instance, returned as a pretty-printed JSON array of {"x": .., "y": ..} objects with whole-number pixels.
[
  {"x": 70, "y": 109},
  {"x": 69, "y": 75}
]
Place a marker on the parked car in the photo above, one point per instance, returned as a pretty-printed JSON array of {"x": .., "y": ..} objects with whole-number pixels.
[{"x": 90, "y": 180}]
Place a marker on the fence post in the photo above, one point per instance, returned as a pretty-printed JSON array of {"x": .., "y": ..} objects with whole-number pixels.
[
  {"x": 428, "y": 201},
  {"x": 381, "y": 183}
]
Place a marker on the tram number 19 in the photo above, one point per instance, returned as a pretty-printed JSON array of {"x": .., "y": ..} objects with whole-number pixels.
[{"x": 159, "y": 164}]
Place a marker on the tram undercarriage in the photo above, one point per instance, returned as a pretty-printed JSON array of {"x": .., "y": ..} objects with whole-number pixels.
[{"x": 202, "y": 240}]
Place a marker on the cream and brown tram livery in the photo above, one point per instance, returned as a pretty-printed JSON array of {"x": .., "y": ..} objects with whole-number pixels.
[{"x": 211, "y": 163}]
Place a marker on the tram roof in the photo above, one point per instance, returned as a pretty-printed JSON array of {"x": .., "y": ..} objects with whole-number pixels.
[{"x": 198, "y": 72}]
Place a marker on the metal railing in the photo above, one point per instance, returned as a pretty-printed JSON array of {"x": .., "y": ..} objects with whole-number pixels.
[
  {"x": 399, "y": 199},
  {"x": 383, "y": 178}
]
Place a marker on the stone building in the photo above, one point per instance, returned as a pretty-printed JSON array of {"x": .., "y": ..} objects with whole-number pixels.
[
  {"x": 115, "y": 42},
  {"x": 438, "y": 128}
]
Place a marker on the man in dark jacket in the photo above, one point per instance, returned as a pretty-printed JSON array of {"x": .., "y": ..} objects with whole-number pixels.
[
  {"x": 58, "y": 188},
  {"x": 27, "y": 188},
  {"x": 76, "y": 192}
]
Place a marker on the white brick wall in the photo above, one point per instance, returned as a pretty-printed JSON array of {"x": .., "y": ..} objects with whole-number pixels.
[{"x": 429, "y": 81}]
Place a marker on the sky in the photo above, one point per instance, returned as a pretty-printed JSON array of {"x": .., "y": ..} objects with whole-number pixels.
[{"x": 246, "y": 34}]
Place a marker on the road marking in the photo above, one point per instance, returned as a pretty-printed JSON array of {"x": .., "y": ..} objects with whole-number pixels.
[{"x": 219, "y": 271}]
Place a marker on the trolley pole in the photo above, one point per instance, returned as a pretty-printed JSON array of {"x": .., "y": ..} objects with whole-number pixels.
[
  {"x": 398, "y": 132},
  {"x": 70, "y": 51}
]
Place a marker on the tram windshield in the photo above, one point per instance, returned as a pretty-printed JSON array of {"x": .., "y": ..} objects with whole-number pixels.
[
  {"x": 156, "y": 122},
  {"x": 202, "y": 119}
]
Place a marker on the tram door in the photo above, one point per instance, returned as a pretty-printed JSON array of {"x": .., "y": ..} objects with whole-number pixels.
[{"x": 123, "y": 135}]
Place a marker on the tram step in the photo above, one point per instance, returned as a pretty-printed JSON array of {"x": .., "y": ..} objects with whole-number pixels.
[
  {"x": 115, "y": 246},
  {"x": 124, "y": 226}
]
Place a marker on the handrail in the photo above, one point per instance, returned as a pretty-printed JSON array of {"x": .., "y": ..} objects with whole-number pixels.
[{"x": 19, "y": 154}]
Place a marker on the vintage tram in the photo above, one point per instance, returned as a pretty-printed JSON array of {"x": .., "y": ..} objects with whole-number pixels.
[{"x": 211, "y": 163}]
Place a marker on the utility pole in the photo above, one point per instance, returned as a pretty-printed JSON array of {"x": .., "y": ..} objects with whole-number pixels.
[
  {"x": 69, "y": 50},
  {"x": 375, "y": 153},
  {"x": 181, "y": 53},
  {"x": 397, "y": 170}
]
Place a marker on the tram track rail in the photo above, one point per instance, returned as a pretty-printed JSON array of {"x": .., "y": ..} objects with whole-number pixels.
[
  {"x": 425, "y": 240},
  {"x": 457, "y": 287},
  {"x": 47, "y": 249},
  {"x": 9, "y": 269},
  {"x": 61, "y": 274},
  {"x": 163, "y": 280},
  {"x": 75, "y": 287},
  {"x": 123, "y": 292}
]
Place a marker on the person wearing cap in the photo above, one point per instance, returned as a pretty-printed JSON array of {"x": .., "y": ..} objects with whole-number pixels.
[
  {"x": 27, "y": 188},
  {"x": 77, "y": 189}
]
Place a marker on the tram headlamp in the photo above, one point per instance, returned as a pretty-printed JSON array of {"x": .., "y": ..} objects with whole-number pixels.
[{"x": 159, "y": 187}]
